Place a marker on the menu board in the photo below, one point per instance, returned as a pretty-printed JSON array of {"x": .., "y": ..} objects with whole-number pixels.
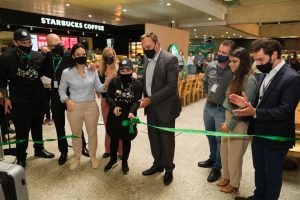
[
  {"x": 73, "y": 41},
  {"x": 41, "y": 40},
  {"x": 66, "y": 41},
  {"x": 34, "y": 42}
]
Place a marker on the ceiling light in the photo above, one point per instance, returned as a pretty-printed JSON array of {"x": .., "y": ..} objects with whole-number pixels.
[
  {"x": 90, "y": 16},
  {"x": 212, "y": 36},
  {"x": 104, "y": 22},
  {"x": 67, "y": 4},
  {"x": 204, "y": 35},
  {"x": 172, "y": 21},
  {"x": 195, "y": 29},
  {"x": 169, "y": 4},
  {"x": 196, "y": 36},
  {"x": 228, "y": 37},
  {"x": 226, "y": 32},
  {"x": 240, "y": 36},
  {"x": 124, "y": 10},
  {"x": 233, "y": 34},
  {"x": 209, "y": 18},
  {"x": 222, "y": 36}
]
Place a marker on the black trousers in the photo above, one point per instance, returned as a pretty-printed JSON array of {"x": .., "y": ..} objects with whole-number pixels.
[
  {"x": 114, "y": 146},
  {"x": 162, "y": 142},
  {"x": 47, "y": 102},
  {"x": 58, "y": 114},
  {"x": 268, "y": 164},
  {"x": 27, "y": 118},
  {"x": 3, "y": 122}
]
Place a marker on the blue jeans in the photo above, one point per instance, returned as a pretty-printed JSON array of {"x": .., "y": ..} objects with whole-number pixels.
[
  {"x": 268, "y": 165},
  {"x": 213, "y": 116},
  {"x": 190, "y": 69}
]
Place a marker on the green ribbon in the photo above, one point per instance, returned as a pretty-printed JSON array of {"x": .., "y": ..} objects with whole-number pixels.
[
  {"x": 202, "y": 132},
  {"x": 23, "y": 56},
  {"x": 37, "y": 141}
]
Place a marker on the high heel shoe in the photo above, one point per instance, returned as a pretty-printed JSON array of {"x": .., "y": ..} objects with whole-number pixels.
[
  {"x": 229, "y": 189},
  {"x": 223, "y": 183}
]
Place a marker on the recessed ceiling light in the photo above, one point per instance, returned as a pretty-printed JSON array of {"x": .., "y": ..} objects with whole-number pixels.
[
  {"x": 124, "y": 10},
  {"x": 228, "y": 37},
  {"x": 240, "y": 36},
  {"x": 204, "y": 35},
  {"x": 212, "y": 36},
  {"x": 67, "y": 4},
  {"x": 233, "y": 34},
  {"x": 222, "y": 36},
  {"x": 90, "y": 15},
  {"x": 196, "y": 36},
  {"x": 104, "y": 22},
  {"x": 173, "y": 21},
  {"x": 168, "y": 4},
  {"x": 195, "y": 29},
  {"x": 226, "y": 32},
  {"x": 209, "y": 18}
]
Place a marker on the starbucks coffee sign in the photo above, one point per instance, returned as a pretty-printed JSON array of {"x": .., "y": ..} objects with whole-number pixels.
[{"x": 71, "y": 24}]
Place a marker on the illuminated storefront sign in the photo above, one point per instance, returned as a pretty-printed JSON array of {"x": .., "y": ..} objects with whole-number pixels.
[{"x": 71, "y": 24}]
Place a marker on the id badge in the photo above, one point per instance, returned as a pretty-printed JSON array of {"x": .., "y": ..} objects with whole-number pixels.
[
  {"x": 55, "y": 84},
  {"x": 214, "y": 87}
]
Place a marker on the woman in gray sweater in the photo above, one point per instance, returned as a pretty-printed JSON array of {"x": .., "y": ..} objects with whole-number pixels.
[{"x": 234, "y": 148}]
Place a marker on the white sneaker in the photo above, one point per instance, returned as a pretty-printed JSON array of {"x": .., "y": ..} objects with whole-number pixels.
[
  {"x": 74, "y": 164},
  {"x": 94, "y": 162}
]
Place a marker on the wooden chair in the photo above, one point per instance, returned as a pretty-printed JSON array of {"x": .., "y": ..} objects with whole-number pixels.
[
  {"x": 195, "y": 91},
  {"x": 186, "y": 92}
]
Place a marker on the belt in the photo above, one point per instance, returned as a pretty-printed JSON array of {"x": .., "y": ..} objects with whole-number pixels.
[{"x": 214, "y": 104}]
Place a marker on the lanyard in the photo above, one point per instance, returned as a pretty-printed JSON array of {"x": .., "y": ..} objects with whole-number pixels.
[
  {"x": 125, "y": 88},
  {"x": 55, "y": 67}
]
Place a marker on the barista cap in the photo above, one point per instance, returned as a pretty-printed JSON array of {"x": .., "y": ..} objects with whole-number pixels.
[
  {"x": 125, "y": 64},
  {"x": 21, "y": 35}
]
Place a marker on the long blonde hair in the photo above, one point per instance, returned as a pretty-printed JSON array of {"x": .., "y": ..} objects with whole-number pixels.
[{"x": 106, "y": 52}]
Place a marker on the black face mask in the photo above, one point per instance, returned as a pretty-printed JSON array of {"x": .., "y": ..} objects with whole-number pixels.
[
  {"x": 126, "y": 78},
  {"x": 80, "y": 60},
  {"x": 25, "y": 49},
  {"x": 58, "y": 50},
  {"x": 150, "y": 53},
  {"x": 109, "y": 59},
  {"x": 43, "y": 53},
  {"x": 265, "y": 68},
  {"x": 222, "y": 59}
]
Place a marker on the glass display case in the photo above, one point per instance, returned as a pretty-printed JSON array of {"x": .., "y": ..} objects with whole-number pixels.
[{"x": 134, "y": 49}]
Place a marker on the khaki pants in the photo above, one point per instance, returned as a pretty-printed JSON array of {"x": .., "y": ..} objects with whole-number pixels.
[
  {"x": 232, "y": 152},
  {"x": 87, "y": 112}
]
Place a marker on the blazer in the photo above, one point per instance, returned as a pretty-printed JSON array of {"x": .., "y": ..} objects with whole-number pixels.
[
  {"x": 275, "y": 114},
  {"x": 165, "y": 98}
]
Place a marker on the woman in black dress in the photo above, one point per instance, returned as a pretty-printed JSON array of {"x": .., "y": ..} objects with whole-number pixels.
[{"x": 123, "y": 96}]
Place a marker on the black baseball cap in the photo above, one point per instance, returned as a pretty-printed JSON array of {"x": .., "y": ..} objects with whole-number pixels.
[
  {"x": 125, "y": 64},
  {"x": 21, "y": 35}
]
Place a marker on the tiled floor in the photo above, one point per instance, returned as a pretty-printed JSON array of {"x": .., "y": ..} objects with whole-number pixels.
[{"x": 49, "y": 181}]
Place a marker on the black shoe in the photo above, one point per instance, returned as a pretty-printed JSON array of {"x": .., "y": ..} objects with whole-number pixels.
[
  {"x": 63, "y": 158},
  {"x": 168, "y": 178},
  {"x": 206, "y": 164},
  {"x": 244, "y": 198},
  {"x": 110, "y": 165},
  {"x": 125, "y": 168},
  {"x": 214, "y": 175},
  {"x": 44, "y": 154},
  {"x": 85, "y": 151},
  {"x": 152, "y": 171},
  {"x": 106, "y": 155},
  {"x": 21, "y": 163}
]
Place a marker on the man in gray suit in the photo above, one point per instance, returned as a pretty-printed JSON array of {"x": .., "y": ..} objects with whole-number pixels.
[{"x": 161, "y": 103}]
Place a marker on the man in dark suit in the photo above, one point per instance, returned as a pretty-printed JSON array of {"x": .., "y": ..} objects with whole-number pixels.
[
  {"x": 161, "y": 103},
  {"x": 273, "y": 113}
]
